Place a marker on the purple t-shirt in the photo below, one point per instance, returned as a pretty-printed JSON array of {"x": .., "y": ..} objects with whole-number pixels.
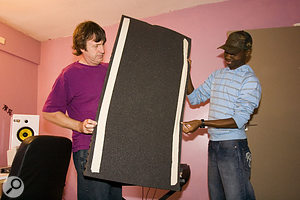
[{"x": 77, "y": 90}]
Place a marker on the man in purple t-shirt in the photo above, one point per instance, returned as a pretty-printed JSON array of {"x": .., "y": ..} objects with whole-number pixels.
[{"x": 73, "y": 102}]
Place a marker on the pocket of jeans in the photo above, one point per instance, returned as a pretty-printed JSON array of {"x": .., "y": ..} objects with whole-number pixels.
[
  {"x": 82, "y": 164},
  {"x": 82, "y": 160},
  {"x": 246, "y": 155},
  {"x": 247, "y": 159}
]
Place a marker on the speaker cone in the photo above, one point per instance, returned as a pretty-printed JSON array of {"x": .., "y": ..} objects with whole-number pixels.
[{"x": 24, "y": 133}]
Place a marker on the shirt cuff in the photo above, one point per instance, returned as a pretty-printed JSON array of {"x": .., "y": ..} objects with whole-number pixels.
[
  {"x": 192, "y": 98},
  {"x": 240, "y": 122}
]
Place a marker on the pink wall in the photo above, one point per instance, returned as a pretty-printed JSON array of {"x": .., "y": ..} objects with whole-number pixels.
[
  {"x": 19, "y": 59},
  {"x": 24, "y": 86},
  {"x": 207, "y": 25},
  {"x": 19, "y": 44}
]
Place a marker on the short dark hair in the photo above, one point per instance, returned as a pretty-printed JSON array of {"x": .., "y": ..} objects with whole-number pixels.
[{"x": 86, "y": 31}]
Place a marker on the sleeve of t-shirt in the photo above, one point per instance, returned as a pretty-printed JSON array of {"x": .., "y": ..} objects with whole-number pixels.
[
  {"x": 202, "y": 93},
  {"x": 58, "y": 97},
  {"x": 247, "y": 101}
]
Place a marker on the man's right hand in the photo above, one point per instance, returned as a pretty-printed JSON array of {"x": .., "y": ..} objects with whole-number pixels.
[
  {"x": 87, "y": 126},
  {"x": 191, "y": 126}
]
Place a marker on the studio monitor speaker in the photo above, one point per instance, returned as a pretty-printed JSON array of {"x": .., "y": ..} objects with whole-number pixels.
[{"x": 22, "y": 127}]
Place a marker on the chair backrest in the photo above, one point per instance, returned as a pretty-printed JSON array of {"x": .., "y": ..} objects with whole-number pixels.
[{"x": 41, "y": 162}]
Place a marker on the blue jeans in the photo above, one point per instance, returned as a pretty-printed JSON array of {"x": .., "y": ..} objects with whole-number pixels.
[
  {"x": 229, "y": 170},
  {"x": 93, "y": 189}
]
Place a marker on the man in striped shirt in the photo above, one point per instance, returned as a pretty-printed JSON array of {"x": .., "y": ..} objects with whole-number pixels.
[{"x": 234, "y": 93}]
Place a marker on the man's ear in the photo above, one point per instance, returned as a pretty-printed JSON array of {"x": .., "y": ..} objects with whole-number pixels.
[
  {"x": 248, "y": 52},
  {"x": 248, "y": 55},
  {"x": 82, "y": 50}
]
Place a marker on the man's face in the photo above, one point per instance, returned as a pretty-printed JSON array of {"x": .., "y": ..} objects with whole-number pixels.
[
  {"x": 233, "y": 61},
  {"x": 94, "y": 52}
]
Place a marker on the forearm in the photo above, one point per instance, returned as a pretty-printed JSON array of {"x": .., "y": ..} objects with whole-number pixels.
[
  {"x": 220, "y": 123},
  {"x": 190, "y": 87},
  {"x": 191, "y": 126},
  {"x": 63, "y": 120}
]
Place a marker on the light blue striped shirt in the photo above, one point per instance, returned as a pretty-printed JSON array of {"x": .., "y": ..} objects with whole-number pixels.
[{"x": 233, "y": 94}]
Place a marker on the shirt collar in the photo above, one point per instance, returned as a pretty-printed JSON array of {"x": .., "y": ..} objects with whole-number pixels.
[{"x": 240, "y": 69}]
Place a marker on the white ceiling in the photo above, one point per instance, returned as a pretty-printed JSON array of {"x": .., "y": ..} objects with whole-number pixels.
[{"x": 49, "y": 19}]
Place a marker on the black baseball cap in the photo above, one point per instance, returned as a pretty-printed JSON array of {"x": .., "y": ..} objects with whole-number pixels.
[{"x": 237, "y": 41}]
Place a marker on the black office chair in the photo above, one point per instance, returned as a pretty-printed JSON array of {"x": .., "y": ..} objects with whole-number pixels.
[{"x": 41, "y": 162}]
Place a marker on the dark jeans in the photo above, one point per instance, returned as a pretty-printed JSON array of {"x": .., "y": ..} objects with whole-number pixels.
[
  {"x": 229, "y": 169},
  {"x": 93, "y": 189}
]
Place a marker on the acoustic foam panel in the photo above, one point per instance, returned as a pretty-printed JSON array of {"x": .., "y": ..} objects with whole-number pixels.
[{"x": 138, "y": 137}]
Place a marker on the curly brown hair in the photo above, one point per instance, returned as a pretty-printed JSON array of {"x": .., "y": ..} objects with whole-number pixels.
[{"x": 86, "y": 31}]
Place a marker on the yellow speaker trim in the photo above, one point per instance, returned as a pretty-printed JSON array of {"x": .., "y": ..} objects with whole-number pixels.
[{"x": 24, "y": 133}]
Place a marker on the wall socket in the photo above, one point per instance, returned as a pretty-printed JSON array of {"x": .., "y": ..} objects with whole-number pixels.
[{"x": 2, "y": 40}]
